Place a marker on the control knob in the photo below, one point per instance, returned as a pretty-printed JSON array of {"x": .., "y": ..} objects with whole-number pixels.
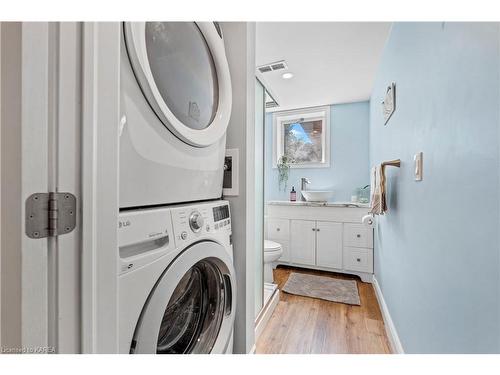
[{"x": 196, "y": 221}]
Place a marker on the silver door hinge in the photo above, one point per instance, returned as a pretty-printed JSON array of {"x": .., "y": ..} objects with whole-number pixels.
[{"x": 50, "y": 214}]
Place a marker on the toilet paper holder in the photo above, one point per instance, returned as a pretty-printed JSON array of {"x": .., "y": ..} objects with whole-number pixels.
[{"x": 368, "y": 220}]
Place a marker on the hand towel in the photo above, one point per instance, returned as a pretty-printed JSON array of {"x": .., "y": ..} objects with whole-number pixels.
[{"x": 378, "y": 205}]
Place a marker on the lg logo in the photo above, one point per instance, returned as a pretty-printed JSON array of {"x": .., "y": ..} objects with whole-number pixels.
[{"x": 122, "y": 224}]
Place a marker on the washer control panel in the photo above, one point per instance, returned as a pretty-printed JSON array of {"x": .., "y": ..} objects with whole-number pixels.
[
  {"x": 193, "y": 221},
  {"x": 143, "y": 236}
]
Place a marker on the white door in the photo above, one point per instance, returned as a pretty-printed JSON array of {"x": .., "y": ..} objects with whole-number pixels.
[
  {"x": 303, "y": 242},
  {"x": 183, "y": 72},
  {"x": 192, "y": 307},
  {"x": 329, "y": 244},
  {"x": 63, "y": 81},
  {"x": 42, "y": 81}
]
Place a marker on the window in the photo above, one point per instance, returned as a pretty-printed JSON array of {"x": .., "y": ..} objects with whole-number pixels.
[{"x": 303, "y": 136}]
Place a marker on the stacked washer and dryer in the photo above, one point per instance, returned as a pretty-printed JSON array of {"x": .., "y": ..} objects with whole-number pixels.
[{"x": 177, "y": 291}]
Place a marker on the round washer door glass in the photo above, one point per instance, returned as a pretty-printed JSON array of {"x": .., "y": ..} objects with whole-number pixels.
[
  {"x": 184, "y": 71},
  {"x": 194, "y": 314}
]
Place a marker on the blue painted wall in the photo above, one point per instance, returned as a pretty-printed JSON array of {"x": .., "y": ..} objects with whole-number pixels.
[
  {"x": 437, "y": 249},
  {"x": 348, "y": 169}
]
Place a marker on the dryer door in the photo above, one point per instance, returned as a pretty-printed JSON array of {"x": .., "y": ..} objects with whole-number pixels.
[
  {"x": 183, "y": 72},
  {"x": 192, "y": 307}
]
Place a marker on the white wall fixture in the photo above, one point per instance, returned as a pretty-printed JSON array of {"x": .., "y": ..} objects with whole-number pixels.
[
  {"x": 389, "y": 103},
  {"x": 231, "y": 173},
  {"x": 418, "y": 158}
]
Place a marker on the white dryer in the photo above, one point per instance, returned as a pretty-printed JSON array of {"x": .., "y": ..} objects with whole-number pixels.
[
  {"x": 175, "y": 102},
  {"x": 177, "y": 287}
]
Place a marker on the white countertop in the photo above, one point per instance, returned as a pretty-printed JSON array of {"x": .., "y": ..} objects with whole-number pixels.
[{"x": 320, "y": 204}]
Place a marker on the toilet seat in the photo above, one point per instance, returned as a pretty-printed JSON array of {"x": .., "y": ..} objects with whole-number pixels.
[{"x": 271, "y": 246}]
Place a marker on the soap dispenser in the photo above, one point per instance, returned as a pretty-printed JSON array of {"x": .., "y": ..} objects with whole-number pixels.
[{"x": 293, "y": 195}]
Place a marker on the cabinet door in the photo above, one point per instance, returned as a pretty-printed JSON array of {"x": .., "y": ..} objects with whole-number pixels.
[
  {"x": 329, "y": 244},
  {"x": 277, "y": 229},
  {"x": 303, "y": 242}
]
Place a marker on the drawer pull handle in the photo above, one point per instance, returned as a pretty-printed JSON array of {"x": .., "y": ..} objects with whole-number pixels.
[
  {"x": 317, "y": 230},
  {"x": 277, "y": 229},
  {"x": 358, "y": 235},
  {"x": 358, "y": 259},
  {"x": 313, "y": 229}
]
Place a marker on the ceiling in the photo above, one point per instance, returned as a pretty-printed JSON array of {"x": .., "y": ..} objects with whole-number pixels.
[{"x": 332, "y": 62}]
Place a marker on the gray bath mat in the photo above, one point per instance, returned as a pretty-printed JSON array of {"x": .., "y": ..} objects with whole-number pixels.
[{"x": 335, "y": 290}]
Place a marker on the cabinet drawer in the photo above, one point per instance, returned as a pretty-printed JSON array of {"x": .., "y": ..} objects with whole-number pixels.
[
  {"x": 278, "y": 229},
  {"x": 358, "y": 235},
  {"x": 357, "y": 259}
]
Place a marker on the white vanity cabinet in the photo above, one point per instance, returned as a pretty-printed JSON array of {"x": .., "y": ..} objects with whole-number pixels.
[{"x": 328, "y": 237}]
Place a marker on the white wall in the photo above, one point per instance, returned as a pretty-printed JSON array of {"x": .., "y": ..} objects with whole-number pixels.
[
  {"x": 0, "y": 186},
  {"x": 240, "y": 49},
  {"x": 10, "y": 202}
]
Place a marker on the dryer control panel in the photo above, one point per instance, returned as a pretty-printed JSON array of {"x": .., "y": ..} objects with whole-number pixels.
[{"x": 195, "y": 221}]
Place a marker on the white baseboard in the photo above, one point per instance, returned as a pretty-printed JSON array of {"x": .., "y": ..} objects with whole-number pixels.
[
  {"x": 266, "y": 314},
  {"x": 390, "y": 328}
]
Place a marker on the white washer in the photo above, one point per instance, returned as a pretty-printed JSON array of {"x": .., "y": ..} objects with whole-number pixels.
[
  {"x": 175, "y": 105},
  {"x": 177, "y": 287}
]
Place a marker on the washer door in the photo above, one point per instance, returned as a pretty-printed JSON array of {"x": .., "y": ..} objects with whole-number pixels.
[
  {"x": 183, "y": 72},
  {"x": 192, "y": 307}
]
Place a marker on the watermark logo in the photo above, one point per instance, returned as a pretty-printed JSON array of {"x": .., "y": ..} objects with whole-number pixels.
[{"x": 28, "y": 350}]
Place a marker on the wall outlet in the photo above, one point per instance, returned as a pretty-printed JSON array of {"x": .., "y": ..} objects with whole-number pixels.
[{"x": 418, "y": 158}]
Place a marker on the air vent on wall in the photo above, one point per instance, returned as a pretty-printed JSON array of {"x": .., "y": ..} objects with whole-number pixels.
[
  {"x": 277, "y": 65},
  {"x": 271, "y": 105},
  {"x": 270, "y": 101}
]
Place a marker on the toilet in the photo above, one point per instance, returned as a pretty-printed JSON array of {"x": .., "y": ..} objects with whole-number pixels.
[{"x": 272, "y": 252}]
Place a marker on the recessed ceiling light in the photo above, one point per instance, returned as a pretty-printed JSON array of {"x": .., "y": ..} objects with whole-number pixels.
[{"x": 287, "y": 75}]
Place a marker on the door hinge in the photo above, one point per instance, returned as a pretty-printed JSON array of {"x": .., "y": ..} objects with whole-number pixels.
[{"x": 50, "y": 214}]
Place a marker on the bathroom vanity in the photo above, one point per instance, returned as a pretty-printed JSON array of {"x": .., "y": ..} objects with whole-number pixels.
[{"x": 325, "y": 236}]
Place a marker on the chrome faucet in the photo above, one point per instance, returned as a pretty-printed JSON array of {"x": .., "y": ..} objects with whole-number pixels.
[{"x": 303, "y": 182}]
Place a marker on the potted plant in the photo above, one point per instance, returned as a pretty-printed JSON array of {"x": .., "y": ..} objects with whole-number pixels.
[{"x": 283, "y": 170}]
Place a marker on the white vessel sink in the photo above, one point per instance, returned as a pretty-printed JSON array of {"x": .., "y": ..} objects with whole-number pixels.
[{"x": 317, "y": 195}]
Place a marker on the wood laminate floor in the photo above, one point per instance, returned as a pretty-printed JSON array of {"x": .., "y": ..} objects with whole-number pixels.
[{"x": 309, "y": 325}]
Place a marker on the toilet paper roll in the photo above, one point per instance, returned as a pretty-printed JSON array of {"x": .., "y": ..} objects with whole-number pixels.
[{"x": 368, "y": 220}]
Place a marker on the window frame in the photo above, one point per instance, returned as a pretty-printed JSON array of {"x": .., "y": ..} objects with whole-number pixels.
[{"x": 307, "y": 114}]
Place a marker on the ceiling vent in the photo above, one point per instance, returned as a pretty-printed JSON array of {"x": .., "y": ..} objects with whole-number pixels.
[{"x": 277, "y": 65}]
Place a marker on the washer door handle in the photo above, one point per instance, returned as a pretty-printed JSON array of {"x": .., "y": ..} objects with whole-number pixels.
[{"x": 228, "y": 294}]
